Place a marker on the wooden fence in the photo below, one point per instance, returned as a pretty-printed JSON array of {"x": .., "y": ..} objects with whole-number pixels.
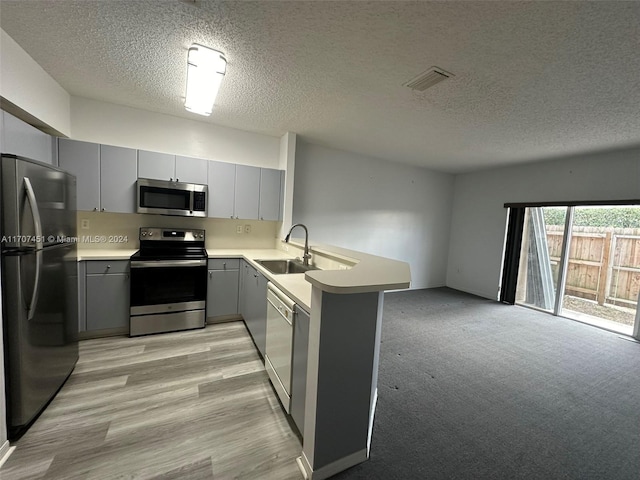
[{"x": 604, "y": 263}]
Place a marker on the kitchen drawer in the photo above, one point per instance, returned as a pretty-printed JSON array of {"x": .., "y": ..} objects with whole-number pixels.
[
  {"x": 224, "y": 264},
  {"x": 103, "y": 266}
]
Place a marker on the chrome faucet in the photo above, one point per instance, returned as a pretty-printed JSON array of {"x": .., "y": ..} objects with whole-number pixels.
[{"x": 307, "y": 255}]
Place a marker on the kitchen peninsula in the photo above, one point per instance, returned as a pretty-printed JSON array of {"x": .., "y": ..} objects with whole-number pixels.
[{"x": 344, "y": 298}]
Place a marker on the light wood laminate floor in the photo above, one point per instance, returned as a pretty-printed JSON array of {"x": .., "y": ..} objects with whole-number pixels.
[{"x": 187, "y": 405}]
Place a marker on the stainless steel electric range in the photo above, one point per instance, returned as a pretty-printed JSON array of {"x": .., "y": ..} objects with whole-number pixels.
[{"x": 168, "y": 281}]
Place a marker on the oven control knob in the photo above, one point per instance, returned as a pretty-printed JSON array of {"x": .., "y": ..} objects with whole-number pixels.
[
  {"x": 202, "y": 235},
  {"x": 150, "y": 233},
  {"x": 144, "y": 234}
]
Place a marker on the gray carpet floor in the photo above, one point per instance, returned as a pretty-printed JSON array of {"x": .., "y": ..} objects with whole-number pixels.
[{"x": 473, "y": 389}]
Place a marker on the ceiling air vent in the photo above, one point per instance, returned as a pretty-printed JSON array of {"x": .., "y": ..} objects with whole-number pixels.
[{"x": 428, "y": 79}]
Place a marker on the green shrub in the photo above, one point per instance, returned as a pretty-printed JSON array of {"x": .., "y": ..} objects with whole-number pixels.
[{"x": 618, "y": 217}]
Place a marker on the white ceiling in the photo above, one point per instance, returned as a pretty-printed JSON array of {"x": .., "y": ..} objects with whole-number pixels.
[{"x": 533, "y": 80}]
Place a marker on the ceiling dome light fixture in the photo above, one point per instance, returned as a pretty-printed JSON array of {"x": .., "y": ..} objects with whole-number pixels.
[{"x": 205, "y": 70}]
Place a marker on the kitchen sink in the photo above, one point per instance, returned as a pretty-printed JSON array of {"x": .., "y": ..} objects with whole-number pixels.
[{"x": 278, "y": 267}]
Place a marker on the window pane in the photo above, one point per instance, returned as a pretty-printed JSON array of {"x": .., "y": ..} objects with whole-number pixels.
[{"x": 540, "y": 256}]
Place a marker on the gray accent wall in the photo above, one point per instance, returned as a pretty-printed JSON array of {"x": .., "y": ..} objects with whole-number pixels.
[
  {"x": 479, "y": 218},
  {"x": 375, "y": 206}
]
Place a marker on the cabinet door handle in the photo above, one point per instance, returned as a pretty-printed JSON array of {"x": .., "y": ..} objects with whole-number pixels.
[
  {"x": 103, "y": 209},
  {"x": 210, "y": 274}
]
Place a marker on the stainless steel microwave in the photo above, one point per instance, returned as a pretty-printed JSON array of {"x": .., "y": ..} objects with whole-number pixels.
[{"x": 171, "y": 198}]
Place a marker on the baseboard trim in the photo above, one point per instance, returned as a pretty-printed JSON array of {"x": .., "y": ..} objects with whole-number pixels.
[
  {"x": 223, "y": 319},
  {"x": 107, "y": 332},
  {"x": 5, "y": 451},
  {"x": 332, "y": 468}
]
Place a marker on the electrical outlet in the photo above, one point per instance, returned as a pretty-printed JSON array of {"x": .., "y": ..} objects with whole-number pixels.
[
  {"x": 84, "y": 224},
  {"x": 247, "y": 229},
  {"x": 238, "y": 228},
  {"x": 342, "y": 267}
]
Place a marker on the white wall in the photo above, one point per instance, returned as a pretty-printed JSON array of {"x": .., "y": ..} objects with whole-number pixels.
[
  {"x": 28, "y": 87},
  {"x": 110, "y": 124},
  {"x": 375, "y": 206},
  {"x": 478, "y": 225}
]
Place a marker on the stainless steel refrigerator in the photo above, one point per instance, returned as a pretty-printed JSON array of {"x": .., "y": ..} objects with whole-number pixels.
[{"x": 39, "y": 285}]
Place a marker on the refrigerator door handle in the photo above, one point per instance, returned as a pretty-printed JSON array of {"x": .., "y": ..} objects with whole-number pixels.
[
  {"x": 31, "y": 309},
  {"x": 33, "y": 204}
]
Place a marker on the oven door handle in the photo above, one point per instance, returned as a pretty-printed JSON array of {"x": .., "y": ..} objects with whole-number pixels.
[{"x": 167, "y": 263}]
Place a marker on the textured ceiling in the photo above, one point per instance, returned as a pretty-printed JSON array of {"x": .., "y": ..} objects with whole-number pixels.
[{"x": 533, "y": 80}]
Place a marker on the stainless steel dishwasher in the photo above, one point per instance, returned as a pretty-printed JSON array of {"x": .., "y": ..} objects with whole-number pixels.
[{"x": 281, "y": 311}]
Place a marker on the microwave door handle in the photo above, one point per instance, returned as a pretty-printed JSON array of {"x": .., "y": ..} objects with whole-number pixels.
[{"x": 33, "y": 204}]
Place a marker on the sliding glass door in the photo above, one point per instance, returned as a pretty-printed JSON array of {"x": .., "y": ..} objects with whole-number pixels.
[
  {"x": 603, "y": 274},
  {"x": 581, "y": 262},
  {"x": 539, "y": 268}
]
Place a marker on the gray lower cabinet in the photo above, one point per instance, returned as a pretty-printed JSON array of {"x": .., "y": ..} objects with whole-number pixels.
[
  {"x": 222, "y": 287},
  {"x": 254, "y": 306},
  {"x": 299, "y": 367},
  {"x": 107, "y": 295}
]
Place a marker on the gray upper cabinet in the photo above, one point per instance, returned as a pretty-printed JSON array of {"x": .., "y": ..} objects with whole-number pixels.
[
  {"x": 107, "y": 180},
  {"x": 20, "y": 138},
  {"x": 247, "y": 192},
  {"x": 244, "y": 192},
  {"x": 269, "y": 194},
  {"x": 82, "y": 159},
  {"x": 175, "y": 168},
  {"x": 191, "y": 170},
  {"x": 159, "y": 166},
  {"x": 118, "y": 174},
  {"x": 222, "y": 179},
  {"x": 106, "y": 175}
]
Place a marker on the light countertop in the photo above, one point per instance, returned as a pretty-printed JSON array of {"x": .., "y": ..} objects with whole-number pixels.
[
  {"x": 294, "y": 285},
  {"x": 105, "y": 254},
  {"x": 365, "y": 272}
]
